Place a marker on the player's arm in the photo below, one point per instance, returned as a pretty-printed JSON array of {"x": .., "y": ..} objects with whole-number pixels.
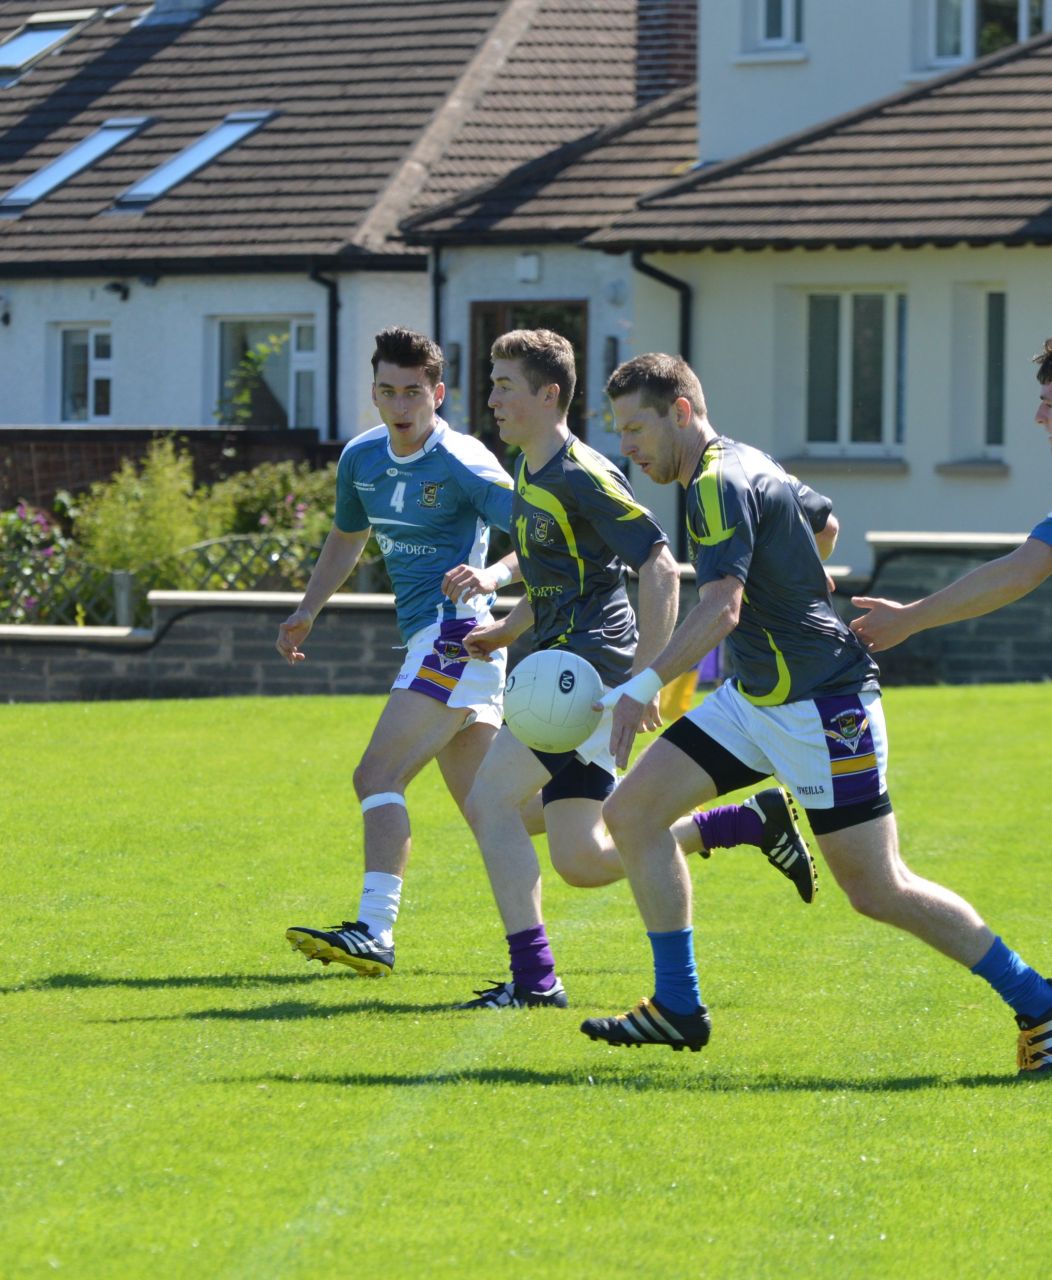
[
  {"x": 826, "y": 536},
  {"x": 481, "y": 641},
  {"x": 465, "y": 581},
  {"x": 338, "y": 556},
  {"x": 985, "y": 589},
  {"x": 658, "y": 610},
  {"x": 711, "y": 620}
]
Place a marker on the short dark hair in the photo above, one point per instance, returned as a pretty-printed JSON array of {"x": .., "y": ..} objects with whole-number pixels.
[
  {"x": 660, "y": 379},
  {"x": 546, "y": 357},
  {"x": 409, "y": 350},
  {"x": 1043, "y": 360}
]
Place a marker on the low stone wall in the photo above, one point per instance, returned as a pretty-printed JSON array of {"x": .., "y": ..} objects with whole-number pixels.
[{"x": 221, "y": 644}]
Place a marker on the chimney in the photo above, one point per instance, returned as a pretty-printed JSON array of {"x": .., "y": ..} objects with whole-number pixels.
[
  {"x": 170, "y": 13},
  {"x": 666, "y": 47}
]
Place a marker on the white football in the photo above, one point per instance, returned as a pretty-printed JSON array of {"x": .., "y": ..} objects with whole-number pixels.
[{"x": 548, "y": 700}]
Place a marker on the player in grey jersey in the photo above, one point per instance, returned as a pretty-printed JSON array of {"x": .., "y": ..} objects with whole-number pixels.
[{"x": 804, "y": 707}]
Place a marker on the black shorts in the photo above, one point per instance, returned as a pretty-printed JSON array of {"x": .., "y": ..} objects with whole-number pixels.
[{"x": 572, "y": 779}]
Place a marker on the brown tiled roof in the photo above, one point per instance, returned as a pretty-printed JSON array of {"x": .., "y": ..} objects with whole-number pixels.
[
  {"x": 572, "y": 70},
  {"x": 577, "y": 188},
  {"x": 383, "y": 106},
  {"x": 964, "y": 159}
]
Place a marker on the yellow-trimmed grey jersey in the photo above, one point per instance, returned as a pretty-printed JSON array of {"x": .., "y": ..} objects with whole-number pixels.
[
  {"x": 747, "y": 518},
  {"x": 575, "y": 525}
]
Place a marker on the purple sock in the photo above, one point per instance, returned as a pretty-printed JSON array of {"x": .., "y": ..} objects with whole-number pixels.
[
  {"x": 728, "y": 825},
  {"x": 532, "y": 962}
]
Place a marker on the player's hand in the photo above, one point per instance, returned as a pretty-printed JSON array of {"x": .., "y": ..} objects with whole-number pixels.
[
  {"x": 465, "y": 581},
  {"x": 652, "y": 715},
  {"x": 481, "y": 642},
  {"x": 629, "y": 716},
  {"x": 291, "y": 634},
  {"x": 884, "y": 625}
]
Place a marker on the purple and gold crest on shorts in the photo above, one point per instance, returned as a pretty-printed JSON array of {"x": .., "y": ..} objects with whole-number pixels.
[
  {"x": 852, "y": 754},
  {"x": 440, "y": 672}
]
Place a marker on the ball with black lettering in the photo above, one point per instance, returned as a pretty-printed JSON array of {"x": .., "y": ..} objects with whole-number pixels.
[{"x": 548, "y": 700}]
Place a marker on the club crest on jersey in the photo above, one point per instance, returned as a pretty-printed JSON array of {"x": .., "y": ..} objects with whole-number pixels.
[
  {"x": 429, "y": 491},
  {"x": 848, "y": 728},
  {"x": 542, "y": 527}
]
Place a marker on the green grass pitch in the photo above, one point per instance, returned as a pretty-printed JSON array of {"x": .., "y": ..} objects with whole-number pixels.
[{"x": 182, "y": 1095}]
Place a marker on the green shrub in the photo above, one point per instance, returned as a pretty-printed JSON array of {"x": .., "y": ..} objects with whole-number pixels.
[
  {"x": 271, "y": 498},
  {"x": 141, "y": 518}
]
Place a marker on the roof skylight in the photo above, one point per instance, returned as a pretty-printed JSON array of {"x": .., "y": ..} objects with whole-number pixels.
[
  {"x": 39, "y": 34},
  {"x": 235, "y": 127},
  {"x": 110, "y": 134}
]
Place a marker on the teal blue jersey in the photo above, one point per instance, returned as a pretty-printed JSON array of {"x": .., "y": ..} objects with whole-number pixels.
[
  {"x": 749, "y": 519},
  {"x": 429, "y": 512}
]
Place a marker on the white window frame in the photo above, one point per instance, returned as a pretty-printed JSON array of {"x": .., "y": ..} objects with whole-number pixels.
[
  {"x": 300, "y": 361},
  {"x": 970, "y": 30},
  {"x": 893, "y": 386},
  {"x": 99, "y": 367},
  {"x": 792, "y": 22}
]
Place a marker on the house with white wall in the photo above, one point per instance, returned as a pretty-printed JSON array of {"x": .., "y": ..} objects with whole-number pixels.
[
  {"x": 184, "y": 179},
  {"x": 860, "y": 288}
]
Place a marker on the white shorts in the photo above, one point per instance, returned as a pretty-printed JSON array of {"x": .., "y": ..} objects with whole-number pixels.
[
  {"x": 831, "y": 752},
  {"x": 437, "y": 666}
]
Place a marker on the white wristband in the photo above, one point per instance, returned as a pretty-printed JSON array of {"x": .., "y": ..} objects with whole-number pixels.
[
  {"x": 641, "y": 688},
  {"x": 501, "y": 574}
]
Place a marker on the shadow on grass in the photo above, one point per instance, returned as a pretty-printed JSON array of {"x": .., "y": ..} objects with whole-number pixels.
[
  {"x": 639, "y": 1082},
  {"x": 89, "y": 981},
  {"x": 282, "y": 1011}
]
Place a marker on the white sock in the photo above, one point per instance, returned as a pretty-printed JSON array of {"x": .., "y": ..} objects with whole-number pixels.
[{"x": 381, "y": 896}]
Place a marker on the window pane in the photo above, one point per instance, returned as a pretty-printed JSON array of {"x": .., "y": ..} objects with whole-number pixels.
[
  {"x": 75, "y": 375},
  {"x": 254, "y": 372},
  {"x": 823, "y": 367},
  {"x": 997, "y": 25},
  {"x": 71, "y": 162},
  {"x": 1034, "y": 17},
  {"x": 995, "y": 368},
  {"x": 798, "y": 19},
  {"x": 867, "y": 368},
  {"x": 31, "y": 42},
  {"x": 103, "y": 345},
  {"x": 772, "y": 20},
  {"x": 304, "y": 413},
  {"x": 304, "y": 337},
  {"x": 100, "y": 398},
  {"x": 948, "y": 29},
  {"x": 900, "y": 368},
  {"x": 236, "y": 126}
]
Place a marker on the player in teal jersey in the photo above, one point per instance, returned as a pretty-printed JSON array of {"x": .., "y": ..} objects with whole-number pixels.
[
  {"x": 803, "y": 705},
  {"x": 576, "y": 525},
  {"x": 430, "y": 495},
  {"x": 885, "y": 624}
]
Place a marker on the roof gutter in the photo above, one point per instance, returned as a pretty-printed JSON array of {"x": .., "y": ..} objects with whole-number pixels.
[
  {"x": 686, "y": 299},
  {"x": 332, "y": 355}
]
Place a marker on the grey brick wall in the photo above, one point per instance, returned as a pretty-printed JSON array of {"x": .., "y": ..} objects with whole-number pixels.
[{"x": 215, "y": 645}]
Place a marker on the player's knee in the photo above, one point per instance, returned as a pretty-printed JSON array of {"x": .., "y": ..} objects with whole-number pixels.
[
  {"x": 874, "y": 899},
  {"x": 623, "y": 815},
  {"x": 575, "y": 868},
  {"x": 372, "y": 776}
]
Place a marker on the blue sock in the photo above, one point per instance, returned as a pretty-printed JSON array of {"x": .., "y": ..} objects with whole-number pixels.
[
  {"x": 1019, "y": 986},
  {"x": 675, "y": 973}
]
